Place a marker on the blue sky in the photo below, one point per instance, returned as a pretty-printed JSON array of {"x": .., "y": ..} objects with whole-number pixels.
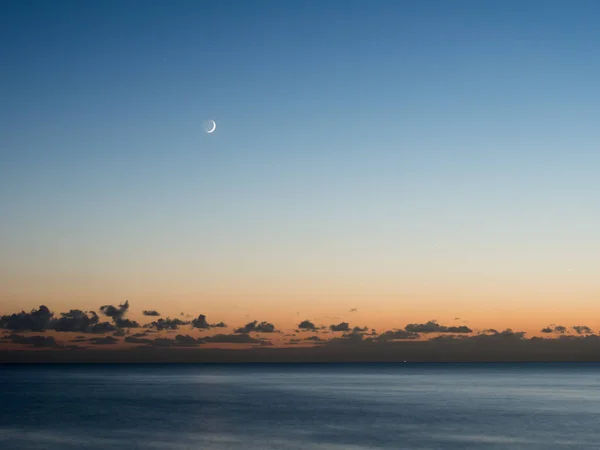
[{"x": 355, "y": 141}]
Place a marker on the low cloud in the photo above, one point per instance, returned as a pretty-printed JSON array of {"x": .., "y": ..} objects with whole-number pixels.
[
  {"x": 343, "y": 326},
  {"x": 232, "y": 339},
  {"x": 202, "y": 324},
  {"x": 554, "y": 329},
  {"x": 105, "y": 340},
  {"x": 433, "y": 327},
  {"x": 33, "y": 341},
  {"x": 166, "y": 324},
  {"x": 353, "y": 310},
  {"x": 115, "y": 311},
  {"x": 582, "y": 329},
  {"x": 126, "y": 323},
  {"x": 151, "y": 312},
  {"x": 137, "y": 339},
  {"x": 35, "y": 320},
  {"x": 117, "y": 314},
  {"x": 394, "y": 335},
  {"x": 256, "y": 327},
  {"x": 306, "y": 325},
  {"x": 102, "y": 327},
  {"x": 75, "y": 320},
  {"x": 179, "y": 341},
  {"x": 506, "y": 334}
]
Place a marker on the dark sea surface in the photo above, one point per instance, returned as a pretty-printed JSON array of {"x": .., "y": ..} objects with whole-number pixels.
[{"x": 338, "y": 406}]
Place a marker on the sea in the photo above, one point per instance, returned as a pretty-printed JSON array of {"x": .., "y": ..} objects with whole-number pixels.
[{"x": 300, "y": 406}]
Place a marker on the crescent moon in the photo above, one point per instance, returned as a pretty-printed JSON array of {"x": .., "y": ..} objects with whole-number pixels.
[{"x": 214, "y": 127}]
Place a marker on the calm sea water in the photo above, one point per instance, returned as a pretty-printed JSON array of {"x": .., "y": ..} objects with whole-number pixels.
[{"x": 370, "y": 406}]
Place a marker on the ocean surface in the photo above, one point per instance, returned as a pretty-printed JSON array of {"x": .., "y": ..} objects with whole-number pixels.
[{"x": 340, "y": 406}]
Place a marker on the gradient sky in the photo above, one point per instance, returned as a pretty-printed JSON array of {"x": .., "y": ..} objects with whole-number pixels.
[{"x": 415, "y": 160}]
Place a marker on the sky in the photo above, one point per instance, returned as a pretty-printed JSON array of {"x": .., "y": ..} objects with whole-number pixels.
[{"x": 412, "y": 160}]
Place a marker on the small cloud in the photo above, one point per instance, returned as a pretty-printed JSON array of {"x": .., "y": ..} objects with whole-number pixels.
[
  {"x": 397, "y": 335},
  {"x": 232, "y": 339},
  {"x": 582, "y": 329},
  {"x": 353, "y": 310},
  {"x": 256, "y": 327},
  {"x": 115, "y": 311},
  {"x": 137, "y": 339},
  {"x": 102, "y": 327},
  {"x": 306, "y": 325},
  {"x": 433, "y": 327},
  {"x": 151, "y": 312},
  {"x": 201, "y": 323},
  {"x": 343, "y": 326},
  {"x": 126, "y": 323},
  {"x": 166, "y": 324},
  {"x": 105, "y": 340},
  {"x": 314, "y": 338}
]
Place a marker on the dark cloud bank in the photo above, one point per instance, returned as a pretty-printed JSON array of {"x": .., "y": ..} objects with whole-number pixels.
[{"x": 102, "y": 341}]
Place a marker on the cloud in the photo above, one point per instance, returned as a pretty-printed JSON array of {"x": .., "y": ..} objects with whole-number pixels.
[
  {"x": 506, "y": 334},
  {"x": 137, "y": 339},
  {"x": 35, "y": 320},
  {"x": 433, "y": 327},
  {"x": 178, "y": 341},
  {"x": 306, "y": 325},
  {"x": 200, "y": 322},
  {"x": 34, "y": 341},
  {"x": 343, "y": 326},
  {"x": 126, "y": 323},
  {"x": 353, "y": 310},
  {"x": 393, "y": 335},
  {"x": 102, "y": 327},
  {"x": 314, "y": 338},
  {"x": 582, "y": 329},
  {"x": 555, "y": 329},
  {"x": 255, "y": 327},
  {"x": 143, "y": 334},
  {"x": 105, "y": 340},
  {"x": 232, "y": 339},
  {"x": 151, "y": 312},
  {"x": 167, "y": 324},
  {"x": 120, "y": 332},
  {"x": 356, "y": 331},
  {"x": 115, "y": 312},
  {"x": 187, "y": 340},
  {"x": 75, "y": 320}
]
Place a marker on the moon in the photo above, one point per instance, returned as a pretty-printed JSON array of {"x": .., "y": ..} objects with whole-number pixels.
[{"x": 212, "y": 126}]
